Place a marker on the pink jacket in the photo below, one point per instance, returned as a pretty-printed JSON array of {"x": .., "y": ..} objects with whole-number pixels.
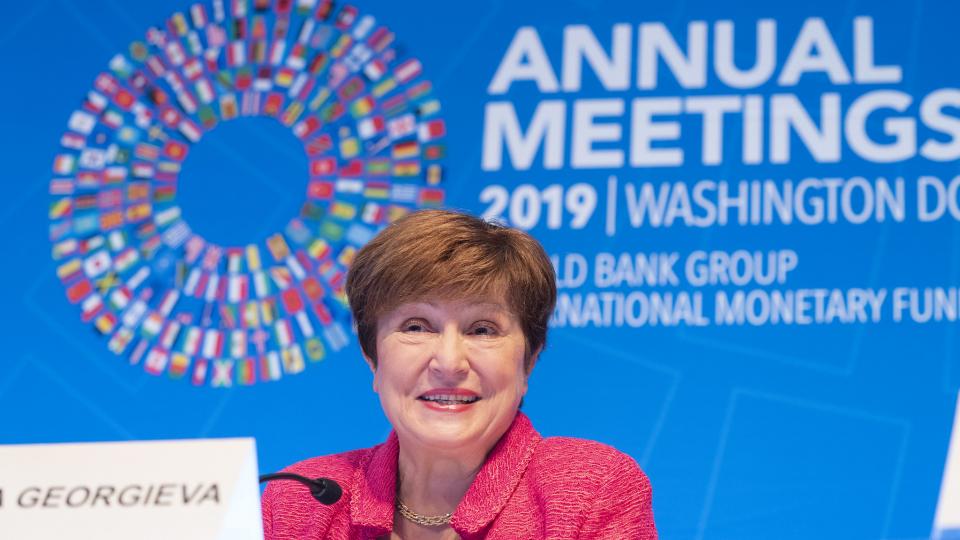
[{"x": 529, "y": 488}]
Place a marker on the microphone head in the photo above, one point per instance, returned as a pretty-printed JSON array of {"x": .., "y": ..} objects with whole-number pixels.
[{"x": 326, "y": 491}]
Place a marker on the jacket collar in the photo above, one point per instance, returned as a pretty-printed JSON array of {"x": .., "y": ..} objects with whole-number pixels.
[{"x": 375, "y": 482}]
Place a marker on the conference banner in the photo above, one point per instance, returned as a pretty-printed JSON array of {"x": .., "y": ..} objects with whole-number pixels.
[{"x": 753, "y": 210}]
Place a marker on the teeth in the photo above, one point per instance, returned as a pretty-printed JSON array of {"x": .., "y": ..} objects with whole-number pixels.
[{"x": 450, "y": 398}]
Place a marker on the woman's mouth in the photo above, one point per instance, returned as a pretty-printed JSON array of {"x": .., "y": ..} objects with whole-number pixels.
[{"x": 450, "y": 400}]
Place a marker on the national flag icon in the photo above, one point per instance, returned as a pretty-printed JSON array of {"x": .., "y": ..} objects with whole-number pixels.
[
  {"x": 120, "y": 298},
  {"x": 349, "y": 185},
  {"x": 212, "y": 343},
  {"x": 91, "y": 307},
  {"x": 65, "y": 248},
  {"x": 376, "y": 190},
  {"x": 284, "y": 77},
  {"x": 342, "y": 210},
  {"x": 372, "y": 213},
  {"x": 61, "y": 208},
  {"x": 191, "y": 341},
  {"x": 303, "y": 322},
  {"x": 283, "y": 332},
  {"x": 431, "y": 197},
  {"x": 405, "y": 150},
  {"x": 146, "y": 151},
  {"x": 238, "y": 343},
  {"x": 434, "y": 152},
  {"x": 250, "y": 315},
  {"x": 273, "y": 104},
  {"x": 314, "y": 348},
  {"x": 125, "y": 259},
  {"x": 156, "y": 361},
  {"x": 434, "y": 174},
  {"x": 319, "y": 144},
  {"x": 253, "y": 257},
  {"x": 331, "y": 230},
  {"x": 402, "y": 126},
  {"x": 199, "y": 375},
  {"x": 120, "y": 339},
  {"x": 82, "y": 122},
  {"x": 246, "y": 371},
  {"x": 394, "y": 106},
  {"x": 318, "y": 249},
  {"x": 152, "y": 325},
  {"x": 292, "y": 359},
  {"x": 73, "y": 140},
  {"x": 428, "y": 108},
  {"x": 323, "y": 166},
  {"x": 375, "y": 69},
  {"x": 190, "y": 130},
  {"x": 237, "y": 290},
  {"x": 369, "y": 127},
  {"x": 105, "y": 323},
  {"x": 306, "y": 127},
  {"x": 278, "y": 247},
  {"x": 383, "y": 88},
  {"x": 228, "y": 106},
  {"x": 431, "y": 130},
  {"x": 419, "y": 90},
  {"x": 169, "y": 335},
  {"x": 378, "y": 166},
  {"x": 349, "y": 147},
  {"x": 290, "y": 115},
  {"x": 124, "y": 99},
  {"x": 97, "y": 263},
  {"x": 336, "y": 336},
  {"x": 270, "y": 366},
  {"x": 70, "y": 270},
  {"x": 260, "y": 284},
  {"x": 168, "y": 302},
  {"x": 352, "y": 168},
  {"x": 362, "y": 106},
  {"x": 281, "y": 277},
  {"x": 406, "y": 168},
  {"x": 408, "y": 70},
  {"x": 179, "y": 363},
  {"x": 380, "y": 39},
  {"x": 64, "y": 164},
  {"x": 403, "y": 193},
  {"x": 292, "y": 301}
]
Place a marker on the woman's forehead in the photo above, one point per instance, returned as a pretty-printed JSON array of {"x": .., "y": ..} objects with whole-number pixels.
[{"x": 482, "y": 304}]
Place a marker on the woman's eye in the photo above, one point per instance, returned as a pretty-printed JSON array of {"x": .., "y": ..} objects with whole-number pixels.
[
  {"x": 484, "y": 330},
  {"x": 413, "y": 326}
]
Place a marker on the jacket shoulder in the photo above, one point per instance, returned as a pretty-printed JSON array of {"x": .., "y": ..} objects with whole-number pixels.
[
  {"x": 565, "y": 463},
  {"x": 594, "y": 488}
]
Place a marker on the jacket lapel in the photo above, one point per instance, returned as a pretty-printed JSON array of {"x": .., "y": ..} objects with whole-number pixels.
[{"x": 498, "y": 478}]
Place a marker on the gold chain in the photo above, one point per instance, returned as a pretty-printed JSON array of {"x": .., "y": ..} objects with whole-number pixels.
[{"x": 427, "y": 521}]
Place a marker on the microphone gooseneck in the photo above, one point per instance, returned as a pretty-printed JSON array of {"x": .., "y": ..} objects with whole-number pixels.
[{"x": 323, "y": 490}]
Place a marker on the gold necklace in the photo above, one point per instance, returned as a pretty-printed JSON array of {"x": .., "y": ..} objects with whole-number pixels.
[{"x": 427, "y": 521}]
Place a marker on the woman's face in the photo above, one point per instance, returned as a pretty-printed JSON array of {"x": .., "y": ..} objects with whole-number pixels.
[{"x": 450, "y": 373}]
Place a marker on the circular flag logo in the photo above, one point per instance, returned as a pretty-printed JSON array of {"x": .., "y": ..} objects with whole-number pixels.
[{"x": 177, "y": 304}]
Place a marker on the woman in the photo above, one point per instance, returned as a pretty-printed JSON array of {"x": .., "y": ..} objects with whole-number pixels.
[{"x": 451, "y": 313}]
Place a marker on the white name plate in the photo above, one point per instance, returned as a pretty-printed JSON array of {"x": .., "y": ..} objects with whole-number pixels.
[{"x": 194, "y": 489}]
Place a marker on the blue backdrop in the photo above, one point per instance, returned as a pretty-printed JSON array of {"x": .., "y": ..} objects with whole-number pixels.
[{"x": 817, "y": 403}]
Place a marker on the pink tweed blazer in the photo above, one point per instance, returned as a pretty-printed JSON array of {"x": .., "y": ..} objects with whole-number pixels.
[{"x": 529, "y": 488}]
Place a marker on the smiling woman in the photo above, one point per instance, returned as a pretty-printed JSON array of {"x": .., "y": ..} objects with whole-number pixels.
[{"x": 451, "y": 314}]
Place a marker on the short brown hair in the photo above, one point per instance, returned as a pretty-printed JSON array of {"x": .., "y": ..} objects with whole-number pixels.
[{"x": 452, "y": 255}]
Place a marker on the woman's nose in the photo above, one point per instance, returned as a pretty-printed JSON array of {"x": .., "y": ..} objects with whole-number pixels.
[{"x": 450, "y": 355}]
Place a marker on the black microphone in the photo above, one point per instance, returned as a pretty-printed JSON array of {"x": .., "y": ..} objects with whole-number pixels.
[{"x": 324, "y": 490}]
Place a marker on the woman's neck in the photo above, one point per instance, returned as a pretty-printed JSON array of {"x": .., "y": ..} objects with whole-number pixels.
[{"x": 432, "y": 484}]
